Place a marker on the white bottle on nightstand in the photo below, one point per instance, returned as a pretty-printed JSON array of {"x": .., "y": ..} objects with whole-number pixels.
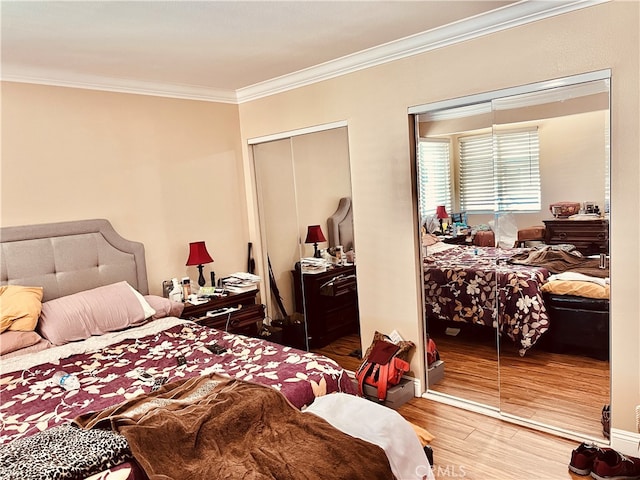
[{"x": 176, "y": 291}]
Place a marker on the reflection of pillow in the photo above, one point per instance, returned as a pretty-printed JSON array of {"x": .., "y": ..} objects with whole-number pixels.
[
  {"x": 19, "y": 307},
  {"x": 577, "y": 288},
  {"x": 12, "y": 341},
  {"x": 164, "y": 307},
  {"x": 92, "y": 312}
]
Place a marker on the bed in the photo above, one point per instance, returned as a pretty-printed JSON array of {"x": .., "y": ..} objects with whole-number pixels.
[
  {"x": 474, "y": 284},
  {"x": 497, "y": 287},
  {"x": 82, "y": 291}
]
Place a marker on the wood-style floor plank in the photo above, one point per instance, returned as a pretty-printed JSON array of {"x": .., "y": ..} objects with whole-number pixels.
[{"x": 477, "y": 447}]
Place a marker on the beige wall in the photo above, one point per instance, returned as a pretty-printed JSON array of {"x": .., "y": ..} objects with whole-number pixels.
[
  {"x": 374, "y": 103},
  {"x": 152, "y": 166}
]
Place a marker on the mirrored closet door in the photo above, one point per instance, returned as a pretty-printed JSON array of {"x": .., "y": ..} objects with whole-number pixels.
[
  {"x": 301, "y": 181},
  {"x": 534, "y": 175}
]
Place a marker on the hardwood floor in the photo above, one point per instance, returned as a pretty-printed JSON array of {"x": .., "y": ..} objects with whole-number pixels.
[
  {"x": 341, "y": 351},
  {"x": 550, "y": 388},
  {"x": 477, "y": 447}
]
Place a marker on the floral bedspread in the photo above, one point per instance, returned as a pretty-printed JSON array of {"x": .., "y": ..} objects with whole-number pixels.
[
  {"x": 475, "y": 285},
  {"x": 29, "y": 402}
]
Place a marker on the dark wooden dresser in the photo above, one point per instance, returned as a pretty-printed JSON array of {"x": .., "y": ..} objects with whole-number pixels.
[
  {"x": 589, "y": 236},
  {"x": 329, "y": 302},
  {"x": 244, "y": 319}
]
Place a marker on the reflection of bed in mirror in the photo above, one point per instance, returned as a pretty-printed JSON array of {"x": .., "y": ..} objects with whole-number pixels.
[{"x": 505, "y": 288}]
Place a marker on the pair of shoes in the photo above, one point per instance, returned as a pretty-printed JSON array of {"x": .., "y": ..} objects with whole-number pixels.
[
  {"x": 611, "y": 465},
  {"x": 583, "y": 458}
]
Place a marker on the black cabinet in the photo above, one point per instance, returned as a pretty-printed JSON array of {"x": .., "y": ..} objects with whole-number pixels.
[{"x": 329, "y": 301}]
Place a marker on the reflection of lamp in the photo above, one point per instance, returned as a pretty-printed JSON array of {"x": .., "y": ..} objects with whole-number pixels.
[
  {"x": 198, "y": 255},
  {"x": 441, "y": 213},
  {"x": 315, "y": 235}
]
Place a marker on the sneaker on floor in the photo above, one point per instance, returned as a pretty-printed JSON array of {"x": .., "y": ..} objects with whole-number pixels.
[
  {"x": 582, "y": 458},
  {"x": 611, "y": 465}
]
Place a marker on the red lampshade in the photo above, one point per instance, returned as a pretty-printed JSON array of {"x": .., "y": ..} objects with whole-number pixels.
[
  {"x": 441, "y": 212},
  {"x": 314, "y": 234},
  {"x": 198, "y": 254}
]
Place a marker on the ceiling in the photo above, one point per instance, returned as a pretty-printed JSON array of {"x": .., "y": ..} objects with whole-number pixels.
[{"x": 234, "y": 51}]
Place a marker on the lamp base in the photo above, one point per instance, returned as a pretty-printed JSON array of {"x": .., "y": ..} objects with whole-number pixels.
[
  {"x": 201, "y": 280},
  {"x": 316, "y": 252}
]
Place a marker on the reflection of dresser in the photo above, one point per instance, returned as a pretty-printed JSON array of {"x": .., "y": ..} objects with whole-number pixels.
[
  {"x": 330, "y": 303},
  {"x": 589, "y": 236}
]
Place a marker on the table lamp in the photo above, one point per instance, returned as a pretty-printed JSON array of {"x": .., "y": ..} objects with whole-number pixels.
[
  {"x": 198, "y": 255},
  {"x": 315, "y": 236},
  {"x": 441, "y": 213}
]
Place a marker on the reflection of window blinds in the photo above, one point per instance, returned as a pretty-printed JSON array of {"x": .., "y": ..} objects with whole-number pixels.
[
  {"x": 434, "y": 174},
  {"x": 476, "y": 173},
  {"x": 500, "y": 172},
  {"x": 517, "y": 171}
]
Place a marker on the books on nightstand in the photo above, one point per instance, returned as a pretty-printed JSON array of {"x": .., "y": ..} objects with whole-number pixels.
[{"x": 240, "y": 282}]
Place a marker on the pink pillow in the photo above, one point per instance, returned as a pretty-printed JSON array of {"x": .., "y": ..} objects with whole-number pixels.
[
  {"x": 10, "y": 341},
  {"x": 164, "y": 307},
  {"x": 92, "y": 312},
  {"x": 41, "y": 345}
]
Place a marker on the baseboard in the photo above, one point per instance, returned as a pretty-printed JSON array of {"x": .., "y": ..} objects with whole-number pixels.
[
  {"x": 417, "y": 386},
  {"x": 625, "y": 442}
]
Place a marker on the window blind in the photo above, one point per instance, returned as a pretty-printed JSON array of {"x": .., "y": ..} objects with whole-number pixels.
[
  {"x": 500, "y": 172},
  {"x": 434, "y": 175}
]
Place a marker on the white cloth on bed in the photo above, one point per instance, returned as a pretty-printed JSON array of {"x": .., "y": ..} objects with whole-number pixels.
[
  {"x": 379, "y": 425},
  {"x": 579, "y": 277}
]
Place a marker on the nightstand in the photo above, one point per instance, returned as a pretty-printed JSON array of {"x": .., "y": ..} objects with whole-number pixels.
[
  {"x": 243, "y": 320},
  {"x": 329, "y": 302}
]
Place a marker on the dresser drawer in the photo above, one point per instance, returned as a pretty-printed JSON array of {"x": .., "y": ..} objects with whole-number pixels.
[{"x": 589, "y": 236}]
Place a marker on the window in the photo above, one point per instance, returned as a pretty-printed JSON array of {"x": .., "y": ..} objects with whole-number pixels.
[
  {"x": 500, "y": 172},
  {"x": 434, "y": 173}
]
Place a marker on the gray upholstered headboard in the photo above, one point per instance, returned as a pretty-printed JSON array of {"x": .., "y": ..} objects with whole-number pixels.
[
  {"x": 340, "y": 226},
  {"x": 68, "y": 257}
]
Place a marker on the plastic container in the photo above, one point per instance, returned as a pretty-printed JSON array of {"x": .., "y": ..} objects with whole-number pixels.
[
  {"x": 176, "y": 293},
  {"x": 66, "y": 381}
]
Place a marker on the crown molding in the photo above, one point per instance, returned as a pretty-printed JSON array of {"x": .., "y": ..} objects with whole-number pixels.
[
  {"x": 58, "y": 78},
  {"x": 510, "y": 16}
]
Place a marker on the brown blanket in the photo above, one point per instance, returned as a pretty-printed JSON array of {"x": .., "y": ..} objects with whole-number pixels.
[
  {"x": 558, "y": 261},
  {"x": 214, "y": 428}
]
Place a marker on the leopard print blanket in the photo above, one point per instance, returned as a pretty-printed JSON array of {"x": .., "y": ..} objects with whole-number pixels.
[{"x": 62, "y": 452}]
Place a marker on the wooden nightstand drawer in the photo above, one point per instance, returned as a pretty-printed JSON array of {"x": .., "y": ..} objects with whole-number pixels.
[
  {"x": 244, "y": 320},
  {"x": 329, "y": 302},
  {"x": 243, "y": 316}
]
